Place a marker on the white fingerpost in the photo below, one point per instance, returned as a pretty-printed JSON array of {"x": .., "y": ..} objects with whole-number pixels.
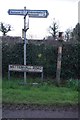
[{"x": 25, "y": 40}]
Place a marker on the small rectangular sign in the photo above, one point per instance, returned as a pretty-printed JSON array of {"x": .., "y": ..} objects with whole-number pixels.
[{"x": 22, "y": 68}]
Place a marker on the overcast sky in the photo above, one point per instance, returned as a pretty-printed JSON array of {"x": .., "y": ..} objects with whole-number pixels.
[{"x": 64, "y": 11}]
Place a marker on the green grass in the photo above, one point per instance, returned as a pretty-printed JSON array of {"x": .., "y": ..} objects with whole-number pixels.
[
  {"x": 42, "y": 94},
  {"x": 0, "y": 90}
]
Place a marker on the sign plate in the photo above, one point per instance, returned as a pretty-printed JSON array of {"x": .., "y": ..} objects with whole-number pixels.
[
  {"x": 31, "y": 13},
  {"x": 22, "y": 68}
]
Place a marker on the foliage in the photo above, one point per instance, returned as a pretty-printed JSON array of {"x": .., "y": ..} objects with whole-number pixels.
[
  {"x": 70, "y": 61},
  {"x": 74, "y": 84},
  {"x": 76, "y": 32},
  {"x": 45, "y": 56}
]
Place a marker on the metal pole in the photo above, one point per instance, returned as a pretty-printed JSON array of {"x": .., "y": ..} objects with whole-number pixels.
[
  {"x": 25, "y": 43},
  {"x": 42, "y": 75},
  {"x": 8, "y": 75}
]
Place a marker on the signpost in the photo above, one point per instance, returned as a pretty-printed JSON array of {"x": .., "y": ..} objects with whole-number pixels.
[{"x": 31, "y": 13}]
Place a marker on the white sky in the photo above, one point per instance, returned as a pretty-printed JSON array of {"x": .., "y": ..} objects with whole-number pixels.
[{"x": 64, "y": 11}]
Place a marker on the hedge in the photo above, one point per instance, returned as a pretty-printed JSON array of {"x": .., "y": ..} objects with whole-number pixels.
[{"x": 44, "y": 55}]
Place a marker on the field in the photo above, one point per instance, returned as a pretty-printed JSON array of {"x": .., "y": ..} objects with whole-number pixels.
[{"x": 41, "y": 94}]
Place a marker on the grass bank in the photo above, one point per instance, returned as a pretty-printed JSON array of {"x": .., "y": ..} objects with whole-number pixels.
[
  {"x": 0, "y": 90},
  {"x": 41, "y": 94}
]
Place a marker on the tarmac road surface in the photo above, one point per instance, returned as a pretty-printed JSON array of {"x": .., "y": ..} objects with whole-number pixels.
[
  {"x": 39, "y": 113},
  {"x": 0, "y": 111}
]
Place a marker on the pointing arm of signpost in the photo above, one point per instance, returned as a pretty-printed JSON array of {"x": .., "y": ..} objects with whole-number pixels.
[{"x": 31, "y": 13}]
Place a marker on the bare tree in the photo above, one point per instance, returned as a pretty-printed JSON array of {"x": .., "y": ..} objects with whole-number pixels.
[
  {"x": 68, "y": 34},
  {"x": 53, "y": 29},
  {"x": 5, "y": 28}
]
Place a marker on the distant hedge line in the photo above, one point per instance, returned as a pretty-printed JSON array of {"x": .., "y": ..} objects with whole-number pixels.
[{"x": 45, "y": 56}]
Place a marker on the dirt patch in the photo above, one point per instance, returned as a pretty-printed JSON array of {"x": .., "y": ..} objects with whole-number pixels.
[{"x": 39, "y": 107}]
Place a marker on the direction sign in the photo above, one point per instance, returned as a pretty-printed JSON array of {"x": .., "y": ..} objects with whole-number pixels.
[{"x": 31, "y": 13}]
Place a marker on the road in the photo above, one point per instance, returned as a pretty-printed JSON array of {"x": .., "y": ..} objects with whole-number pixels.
[
  {"x": 0, "y": 111},
  {"x": 21, "y": 112}
]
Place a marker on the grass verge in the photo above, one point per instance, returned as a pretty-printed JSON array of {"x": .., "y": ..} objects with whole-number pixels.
[{"x": 42, "y": 94}]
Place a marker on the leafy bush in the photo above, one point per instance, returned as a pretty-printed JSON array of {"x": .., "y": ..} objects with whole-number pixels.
[
  {"x": 70, "y": 61},
  {"x": 45, "y": 56},
  {"x": 74, "y": 84}
]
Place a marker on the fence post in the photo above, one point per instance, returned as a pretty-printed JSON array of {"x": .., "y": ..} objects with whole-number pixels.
[{"x": 58, "y": 71}]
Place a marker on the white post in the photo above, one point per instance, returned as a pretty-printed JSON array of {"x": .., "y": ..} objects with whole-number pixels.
[
  {"x": 25, "y": 42},
  {"x": 26, "y": 27}
]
